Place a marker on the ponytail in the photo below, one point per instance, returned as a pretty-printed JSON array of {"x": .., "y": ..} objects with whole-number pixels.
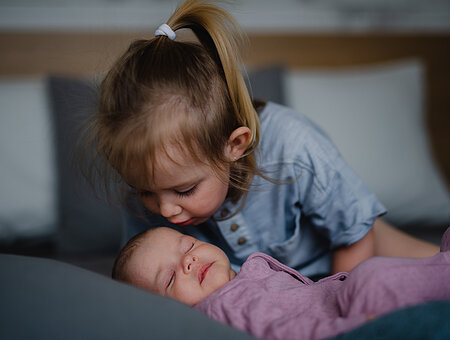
[{"x": 221, "y": 36}]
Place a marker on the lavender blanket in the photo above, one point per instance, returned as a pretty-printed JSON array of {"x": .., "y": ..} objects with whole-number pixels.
[{"x": 272, "y": 301}]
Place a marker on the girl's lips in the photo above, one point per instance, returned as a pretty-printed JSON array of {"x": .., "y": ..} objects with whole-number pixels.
[
  {"x": 203, "y": 271},
  {"x": 189, "y": 221}
]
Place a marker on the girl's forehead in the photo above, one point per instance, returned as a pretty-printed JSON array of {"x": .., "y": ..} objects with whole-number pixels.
[
  {"x": 174, "y": 154},
  {"x": 174, "y": 160},
  {"x": 165, "y": 163}
]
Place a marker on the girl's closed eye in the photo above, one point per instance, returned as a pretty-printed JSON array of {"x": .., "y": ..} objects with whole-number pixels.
[{"x": 188, "y": 192}]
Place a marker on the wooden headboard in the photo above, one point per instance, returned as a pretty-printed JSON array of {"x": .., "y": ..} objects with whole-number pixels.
[{"x": 81, "y": 54}]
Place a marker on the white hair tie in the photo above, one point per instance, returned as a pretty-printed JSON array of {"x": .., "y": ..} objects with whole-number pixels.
[{"x": 165, "y": 29}]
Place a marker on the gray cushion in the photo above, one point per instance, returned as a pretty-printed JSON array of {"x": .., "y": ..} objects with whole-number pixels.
[
  {"x": 267, "y": 84},
  {"x": 47, "y": 299},
  {"x": 87, "y": 223}
]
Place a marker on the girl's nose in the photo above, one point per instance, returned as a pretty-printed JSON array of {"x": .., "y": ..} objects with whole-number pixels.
[
  {"x": 169, "y": 209},
  {"x": 189, "y": 263}
]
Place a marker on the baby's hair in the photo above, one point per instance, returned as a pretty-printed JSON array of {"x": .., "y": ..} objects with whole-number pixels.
[
  {"x": 119, "y": 271},
  {"x": 164, "y": 93}
]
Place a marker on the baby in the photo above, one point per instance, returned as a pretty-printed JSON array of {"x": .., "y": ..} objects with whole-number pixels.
[
  {"x": 166, "y": 262},
  {"x": 271, "y": 300}
]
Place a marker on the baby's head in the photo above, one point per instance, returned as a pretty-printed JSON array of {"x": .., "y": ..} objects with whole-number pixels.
[{"x": 169, "y": 263}]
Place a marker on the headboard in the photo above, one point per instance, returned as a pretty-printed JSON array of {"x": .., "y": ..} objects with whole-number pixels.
[{"x": 82, "y": 54}]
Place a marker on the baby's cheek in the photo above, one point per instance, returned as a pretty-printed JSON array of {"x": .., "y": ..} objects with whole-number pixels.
[
  {"x": 220, "y": 281},
  {"x": 187, "y": 296}
]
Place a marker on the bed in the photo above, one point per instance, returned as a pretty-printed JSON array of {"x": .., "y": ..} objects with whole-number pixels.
[{"x": 392, "y": 87}]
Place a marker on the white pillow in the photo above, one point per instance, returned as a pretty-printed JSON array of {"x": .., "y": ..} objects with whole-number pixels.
[
  {"x": 28, "y": 175},
  {"x": 375, "y": 115}
]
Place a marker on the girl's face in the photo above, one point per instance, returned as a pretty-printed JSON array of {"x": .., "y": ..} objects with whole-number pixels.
[
  {"x": 185, "y": 192},
  {"x": 179, "y": 266}
]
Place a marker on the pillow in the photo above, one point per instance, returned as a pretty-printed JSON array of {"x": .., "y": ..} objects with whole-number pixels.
[
  {"x": 87, "y": 223},
  {"x": 27, "y": 181},
  {"x": 375, "y": 115},
  {"x": 47, "y": 299},
  {"x": 267, "y": 84}
]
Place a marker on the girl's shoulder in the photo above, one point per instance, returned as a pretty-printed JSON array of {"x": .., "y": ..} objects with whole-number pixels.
[
  {"x": 280, "y": 120},
  {"x": 287, "y": 132},
  {"x": 274, "y": 115}
]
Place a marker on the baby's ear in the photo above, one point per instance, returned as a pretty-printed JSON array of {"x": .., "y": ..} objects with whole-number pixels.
[{"x": 237, "y": 143}]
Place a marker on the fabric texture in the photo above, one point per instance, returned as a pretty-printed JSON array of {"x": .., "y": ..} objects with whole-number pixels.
[
  {"x": 323, "y": 204},
  {"x": 272, "y": 301}
]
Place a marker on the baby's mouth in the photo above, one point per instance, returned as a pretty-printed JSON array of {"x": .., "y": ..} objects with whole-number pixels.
[{"x": 203, "y": 271}]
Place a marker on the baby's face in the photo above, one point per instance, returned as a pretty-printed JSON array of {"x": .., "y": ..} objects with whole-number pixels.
[{"x": 179, "y": 266}]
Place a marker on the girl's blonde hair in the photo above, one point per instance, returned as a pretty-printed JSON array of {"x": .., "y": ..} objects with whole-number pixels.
[{"x": 162, "y": 93}]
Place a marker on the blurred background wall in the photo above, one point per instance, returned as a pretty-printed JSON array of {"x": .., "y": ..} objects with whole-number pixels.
[{"x": 253, "y": 15}]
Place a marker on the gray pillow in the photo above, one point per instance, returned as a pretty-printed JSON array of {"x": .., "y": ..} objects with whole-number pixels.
[
  {"x": 267, "y": 84},
  {"x": 87, "y": 222},
  {"x": 47, "y": 299}
]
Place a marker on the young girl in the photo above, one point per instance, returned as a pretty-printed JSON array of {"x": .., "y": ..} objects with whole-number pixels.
[{"x": 176, "y": 123}]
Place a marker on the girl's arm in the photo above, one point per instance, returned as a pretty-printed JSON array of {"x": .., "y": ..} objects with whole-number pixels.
[
  {"x": 390, "y": 241},
  {"x": 381, "y": 240},
  {"x": 346, "y": 258}
]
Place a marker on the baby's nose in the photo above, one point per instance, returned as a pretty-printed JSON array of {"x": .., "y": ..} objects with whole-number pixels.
[{"x": 189, "y": 263}]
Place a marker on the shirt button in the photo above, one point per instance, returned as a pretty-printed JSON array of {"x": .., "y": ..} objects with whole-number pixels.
[
  {"x": 234, "y": 227},
  {"x": 224, "y": 212},
  {"x": 241, "y": 241}
]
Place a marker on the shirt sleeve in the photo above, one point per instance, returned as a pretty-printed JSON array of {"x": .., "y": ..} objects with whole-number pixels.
[{"x": 332, "y": 196}]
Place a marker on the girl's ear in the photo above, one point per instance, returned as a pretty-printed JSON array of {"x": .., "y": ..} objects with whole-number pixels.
[{"x": 237, "y": 143}]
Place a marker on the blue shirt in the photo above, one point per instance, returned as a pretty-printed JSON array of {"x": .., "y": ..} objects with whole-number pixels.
[{"x": 318, "y": 204}]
